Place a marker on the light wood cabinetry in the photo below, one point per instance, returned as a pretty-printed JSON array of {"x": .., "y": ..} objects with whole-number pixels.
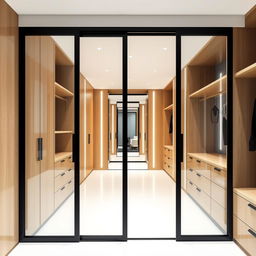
[
  {"x": 9, "y": 115},
  {"x": 245, "y": 218},
  {"x": 206, "y": 184},
  {"x": 49, "y": 127}
]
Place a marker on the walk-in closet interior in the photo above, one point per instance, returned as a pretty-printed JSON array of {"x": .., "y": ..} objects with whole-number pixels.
[{"x": 151, "y": 135}]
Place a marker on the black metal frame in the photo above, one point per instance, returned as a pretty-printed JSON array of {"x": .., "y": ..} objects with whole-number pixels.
[{"x": 124, "y": 32}]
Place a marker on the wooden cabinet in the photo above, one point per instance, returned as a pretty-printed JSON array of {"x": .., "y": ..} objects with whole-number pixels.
[
  {"x": 168, "y": 161},
  {"x": 206, "y": 184},
  {"x": 245, "y": 218},
  {"x": 39, "y": 126}
]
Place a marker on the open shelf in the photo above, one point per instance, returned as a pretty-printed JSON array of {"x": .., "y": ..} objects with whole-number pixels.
[
  {"x": 168, "y": 146},
  {"x": 213, "y": 53},
  {"x": 170, "y": 107},
  {"x": 248, "y": 72},
  {"x": 61, "y": 91},
  {"x": 61, "y": 57},
  {"x": 63, "y": 132},
  {"x": 216, "y": 87},
  {"x": 62, "y": 155}
]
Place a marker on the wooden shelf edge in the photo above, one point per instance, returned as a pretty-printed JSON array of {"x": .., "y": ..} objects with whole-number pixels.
[
  {"x": 63, "y": 132},
  {"x": 61, "y": 155},
  {"x": 168, "y": 146},
  {"x": 248, "y": 72},
  {"x": 64, "y": 92},
  {"x": 170, "y": 107},
  {"x": 200, "y": 93}
]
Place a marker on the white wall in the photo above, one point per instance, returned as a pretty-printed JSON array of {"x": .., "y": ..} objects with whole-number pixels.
[{"x": 132, "y": 20}]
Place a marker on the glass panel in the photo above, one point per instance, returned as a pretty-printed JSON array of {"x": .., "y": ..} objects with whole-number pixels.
[
  {"x": 101, "y": 136},
  {"x": 49, "y": 121},
  {"x": 151, "y": 136},
  {"x": 204, "y": 123}
]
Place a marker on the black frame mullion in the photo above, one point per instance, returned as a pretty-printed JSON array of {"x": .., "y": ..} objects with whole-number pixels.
[{"x": 123, "y": 32}]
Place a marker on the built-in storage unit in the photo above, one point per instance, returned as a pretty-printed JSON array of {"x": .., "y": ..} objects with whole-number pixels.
[
  {"x": 169, "y": 118},
  {"x": 206, "y": 184},
  {"x": 204, "y": 83},
  {"x": 49, "y": 128},
  {"x": 244, "y": 155}
]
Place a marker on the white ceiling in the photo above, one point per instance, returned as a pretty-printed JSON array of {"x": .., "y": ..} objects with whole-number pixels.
[{"x": 131, "y": 7}]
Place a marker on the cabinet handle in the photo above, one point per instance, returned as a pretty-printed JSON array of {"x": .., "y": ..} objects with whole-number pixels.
[
  {"x": 252, "y": 206},
  {"x": 62, "y": 188},
  {"x": 191, "y": 169},
  {"x": 198, "y": 189},
  {"x": 39, "y": 149},
  {"x": 69, "y": 170},
  {"x": 217, "y": 169},
  {"x": 190, "y": 158},
  {"x": 169, "y": 158},
  {"x": 190, "y": 183},
  {"x": 199, "y": 175},
  {"x": 62, "y": 161},
  {"x": 89, "y": 138},
  {"x": 69, "y": 181},
  {"x": 169, "y": 166},
  {"x": 252, "y": 232},
  {"x": 198, "y": 161},
  {"x": 62, "y": 174}
]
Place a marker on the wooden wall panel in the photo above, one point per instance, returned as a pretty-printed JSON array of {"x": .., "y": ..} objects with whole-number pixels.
[
  {"x": 82, "y": 128},
  {"x": 100, "y": 124},
  {"x": 112, "y": 129},
  {"x": 155, "y": 129},
  {"x": 8, "y": 128},
  {"x": 143, "y": 129},
  {"x": 89, "y": 128}
]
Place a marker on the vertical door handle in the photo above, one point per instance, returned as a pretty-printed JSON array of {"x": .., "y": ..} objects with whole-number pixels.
[
  {"x": 39, "y": 149},
  {"x": 89, "y": 138}
]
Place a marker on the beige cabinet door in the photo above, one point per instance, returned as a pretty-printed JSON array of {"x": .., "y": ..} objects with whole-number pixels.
[{"x": 47, "y": 125}]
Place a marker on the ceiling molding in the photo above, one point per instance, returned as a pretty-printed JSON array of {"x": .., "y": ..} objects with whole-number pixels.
[{"x": 131, "y": 20}]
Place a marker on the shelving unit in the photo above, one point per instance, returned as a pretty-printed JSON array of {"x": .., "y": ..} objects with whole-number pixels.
[
  {"x": 211, "y": 90},
  {"x": 62, "y": 91}
]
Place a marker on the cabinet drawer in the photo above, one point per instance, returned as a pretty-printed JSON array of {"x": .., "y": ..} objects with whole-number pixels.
[
  {"x": 245, "y": 236},
  {"x": 190, "y": 162},
  {"x": 202, "y": 182},
  {"x": 191, "y": 174},
  {"x": 203, "y": 199},
  {"x": 219, "y": 176},
  {"x": 64, "y": 192},
  {"x": 190, "y": 187},
  {"x": 61, "y": 166},
  {"x": 218, "y": 213},
  {"x": 202, "y": 168},
  {"x": 218, "y": 194},
  {"x": 245, "y": 211},
  {"x": 63, "y": 178}
]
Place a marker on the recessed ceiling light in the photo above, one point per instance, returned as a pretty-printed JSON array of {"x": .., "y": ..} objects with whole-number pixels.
[
  {"x": 107, "y": 70},
  {"x": 165, "y": 48},
  {"x": 99, "y": 48},
  {"x": 130, "y": 56},
  {"x": 154, "y": 70}
]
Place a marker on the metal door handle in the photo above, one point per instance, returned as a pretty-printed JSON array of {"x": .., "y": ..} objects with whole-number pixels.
[{"x": 252, "y": 206}]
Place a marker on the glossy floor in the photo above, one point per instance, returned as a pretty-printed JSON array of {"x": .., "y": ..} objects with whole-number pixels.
[
  {"x": 151, "y": 208},
  {"x": 130, "y": 248}
]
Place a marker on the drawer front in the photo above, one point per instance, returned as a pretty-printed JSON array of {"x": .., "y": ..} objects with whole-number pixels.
[
  {"x": 64, "y": 192},
  {"x": 219, "y": 176},
  {"x": 191, "y": 175},
  {"x": 245, "y": 211},
  {"x": 245, "y": 236},
  {"x": 63, "y": 178},
  {"x": 202, "y": 182},
  {"x": 218, "y": 194},
  {"x": 61, "y": 166},
  {"x": 203, "y": 199},
  {"x": 218, "y": 213},
  {"x": 191, "y": 163},
  {"x": 202, "y": 168}
]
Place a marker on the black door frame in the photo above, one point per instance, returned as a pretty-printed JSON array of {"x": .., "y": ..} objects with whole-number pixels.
[{"x": 124, "y": 32}]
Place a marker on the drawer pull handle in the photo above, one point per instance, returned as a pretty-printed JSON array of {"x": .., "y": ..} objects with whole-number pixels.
[
  {"x": 69, "y": 170},
  {"x": 69, "y": 181},
  {"x": 252, "y": 232},
  {"x": 217, "y": 169},
  {"x": 191, "y": 169},
  {"x": 169, "y": 166},
  {"x": 190, "y": 183},
  {"x": 199, "y": 175},
  {"x": 70, "y": 157},
  {"x": 62, "y": 174},
  {"x": 252, "y": 206},
  {"x": 62, "y": 188},
  {"x": 62, "y": 161},
  {"x": 198, "y": 161},
  {"x": 190, "y": 158},
  {"x": 198, "y": 189},
  {"x": 168, "y": 157}
]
